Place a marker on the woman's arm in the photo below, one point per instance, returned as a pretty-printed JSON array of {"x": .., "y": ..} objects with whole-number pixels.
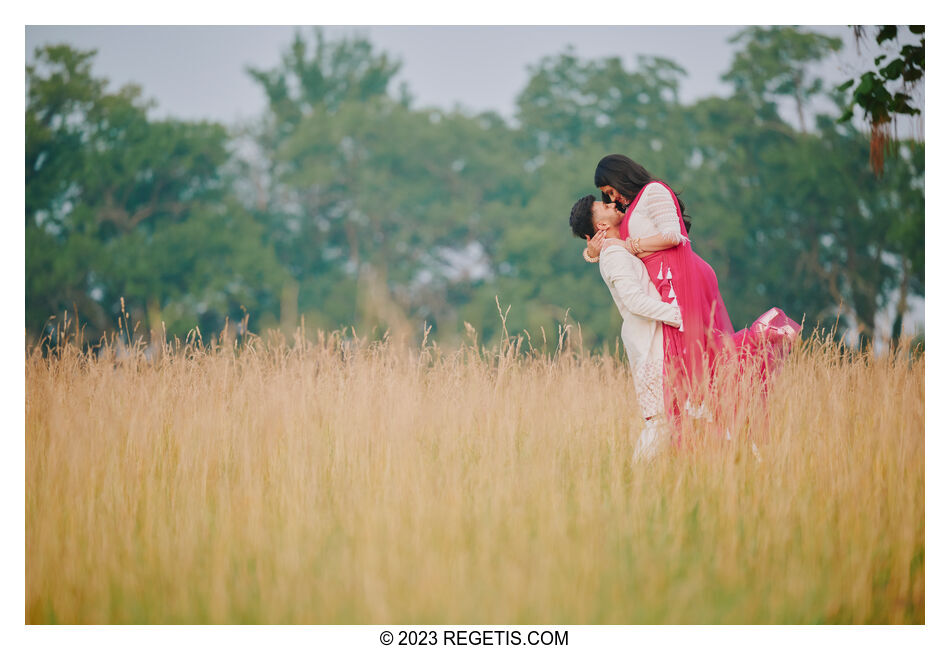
[
  {"x": 641, "y": 246},
  {"x": 660, "y": 206},
  {"x": 662, "y": 210}
]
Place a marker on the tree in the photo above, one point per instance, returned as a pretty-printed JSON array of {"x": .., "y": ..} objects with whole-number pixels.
[
  {"x": 874, "y": 92},
  {"x": 120, "y": 206},
  {"x": 372, "y": 203},
  {"x": 569, "y": 103},
  {"x": 828, "y": 226},
  {"x": 774, "y": 63},
  {"x": 349, "y": 206}
]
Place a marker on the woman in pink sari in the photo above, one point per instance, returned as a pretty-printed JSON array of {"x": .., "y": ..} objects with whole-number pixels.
[{"x": 655, "y": 228}]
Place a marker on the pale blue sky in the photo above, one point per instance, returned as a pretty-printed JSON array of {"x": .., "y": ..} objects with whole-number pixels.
[{"x": 198, "y": 72}]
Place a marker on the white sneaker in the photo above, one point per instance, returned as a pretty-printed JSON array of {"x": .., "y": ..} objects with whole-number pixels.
[
  {"x": 755, "y": 452},
  {"x": 651, "y": 441}
]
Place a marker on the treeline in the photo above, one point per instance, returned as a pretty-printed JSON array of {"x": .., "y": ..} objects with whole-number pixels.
[{"x": 347, "y": 205}]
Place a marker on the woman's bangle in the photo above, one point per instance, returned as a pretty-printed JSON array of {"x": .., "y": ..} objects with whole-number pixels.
[{"x": 592, "y": 260}]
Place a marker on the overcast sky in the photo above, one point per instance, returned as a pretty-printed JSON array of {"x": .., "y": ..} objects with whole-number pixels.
[{"x": 199, "y": 72}]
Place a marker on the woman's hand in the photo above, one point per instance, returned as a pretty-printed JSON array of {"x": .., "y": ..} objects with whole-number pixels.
[
  {"x": 595, "y": 243},
  {"x": 635, "y": 247},
  {"x": 643, "y": 246}
]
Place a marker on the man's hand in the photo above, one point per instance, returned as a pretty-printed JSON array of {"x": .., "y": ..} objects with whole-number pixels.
[{"x": 595, "y": 243}]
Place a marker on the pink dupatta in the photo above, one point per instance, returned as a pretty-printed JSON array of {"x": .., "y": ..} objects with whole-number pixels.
[
  {"x": 690, "y": 352},
  {"x": 683, "y": 278}
]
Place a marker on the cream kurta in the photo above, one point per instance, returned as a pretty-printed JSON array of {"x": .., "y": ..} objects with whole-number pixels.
[{"x": 643, "y": 313}]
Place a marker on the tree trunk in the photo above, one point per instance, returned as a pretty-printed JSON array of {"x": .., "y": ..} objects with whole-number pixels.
[{"x": 898, "y": 327}]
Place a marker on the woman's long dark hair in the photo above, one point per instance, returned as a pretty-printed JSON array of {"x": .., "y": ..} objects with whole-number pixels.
[{"x": 628, "y": 178}]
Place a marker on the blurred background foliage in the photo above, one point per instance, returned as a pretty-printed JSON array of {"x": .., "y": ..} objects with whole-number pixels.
[{"x": 345, "y": 205}]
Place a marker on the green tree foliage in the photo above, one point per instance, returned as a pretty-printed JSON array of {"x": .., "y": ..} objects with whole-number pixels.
[
  {"x": 569, "y": 102},
  {"x": 876, "y": 93},
  {"x": 347, "y": 205},
  {"x": 775, "y": 63},
  {"x": 384, "y": 214},
  {"x": 122, "y": 206},
  {"x": 822, "y": 232}
]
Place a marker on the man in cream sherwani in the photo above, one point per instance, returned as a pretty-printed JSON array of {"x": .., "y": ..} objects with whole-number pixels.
[{"x": 643, "y": 314}]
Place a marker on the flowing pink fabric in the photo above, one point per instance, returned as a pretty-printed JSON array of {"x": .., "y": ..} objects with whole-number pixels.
[
  {"x": 761, "y": 345},
  {"x": 690, "y": 353},
  {"x": 684, "y": 278}
]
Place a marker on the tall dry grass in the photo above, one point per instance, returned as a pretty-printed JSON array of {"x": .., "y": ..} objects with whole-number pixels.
[{"x": 343, "y": 481}]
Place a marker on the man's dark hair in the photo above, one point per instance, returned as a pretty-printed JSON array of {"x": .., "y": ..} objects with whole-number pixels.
[{"x": 582, "y": 222}]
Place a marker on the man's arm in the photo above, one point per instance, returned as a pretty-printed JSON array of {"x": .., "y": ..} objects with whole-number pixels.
[{"x": 627, "y": 278}]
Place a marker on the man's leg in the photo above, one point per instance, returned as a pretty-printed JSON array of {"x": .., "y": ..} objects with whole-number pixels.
[{"x": 653, "y": 439}]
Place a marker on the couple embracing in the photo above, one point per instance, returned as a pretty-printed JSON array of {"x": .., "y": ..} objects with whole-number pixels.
[{"x": 675, "y": 324}]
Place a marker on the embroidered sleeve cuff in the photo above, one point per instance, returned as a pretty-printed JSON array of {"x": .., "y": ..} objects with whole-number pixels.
[{"x": 673, "y": 237}]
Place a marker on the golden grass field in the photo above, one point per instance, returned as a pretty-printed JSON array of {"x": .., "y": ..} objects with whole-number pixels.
[{"x": 342, "y": 481}]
